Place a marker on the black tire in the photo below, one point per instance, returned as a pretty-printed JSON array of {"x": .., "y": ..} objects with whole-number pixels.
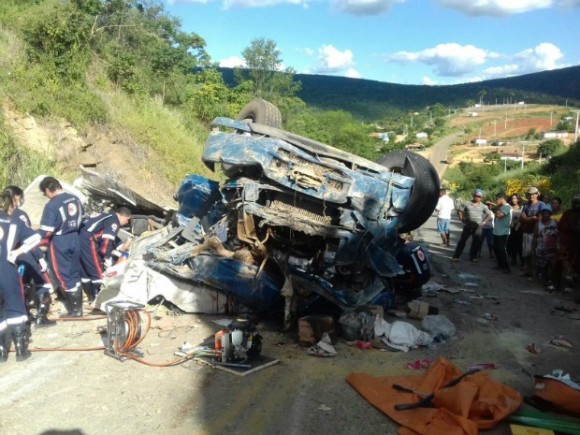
[
  {"x": 261, "y": 112},
  {"x": 425, "y": 193}
]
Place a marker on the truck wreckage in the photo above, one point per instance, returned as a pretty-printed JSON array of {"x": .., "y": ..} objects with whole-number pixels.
[{"x": 294, "y": 221}]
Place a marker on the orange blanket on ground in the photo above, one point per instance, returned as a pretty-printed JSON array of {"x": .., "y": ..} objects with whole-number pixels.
[{"x": 477, "y": 402}]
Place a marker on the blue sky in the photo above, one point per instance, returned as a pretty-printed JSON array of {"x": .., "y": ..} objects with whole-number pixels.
[{"x": 433, "y": 42}]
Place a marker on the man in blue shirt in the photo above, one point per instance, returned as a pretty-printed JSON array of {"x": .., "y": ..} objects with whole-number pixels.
[
  {"x": 501, "y": 231},
  {"x": 59, "y": 226}
]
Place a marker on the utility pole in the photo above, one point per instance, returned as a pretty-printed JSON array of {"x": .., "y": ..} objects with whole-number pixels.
[
  {"x": 576, "y": 129},
  {"x": 494, "y": 129},
  {"x": 551, "y": 113},
  {"x": 505, "y": 122},
  {"x": 523, "y": 153}
]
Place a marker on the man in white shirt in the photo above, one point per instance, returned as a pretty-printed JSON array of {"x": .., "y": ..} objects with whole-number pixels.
[{"x": 443, "y": 209}]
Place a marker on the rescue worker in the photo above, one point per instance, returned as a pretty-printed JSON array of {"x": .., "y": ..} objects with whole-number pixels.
[
  {"x": 13, "y": 315},
  {"x": 97, "y": 239},
  {"x": 60, "y": 224},
  {"x": 34, "y": 263}
]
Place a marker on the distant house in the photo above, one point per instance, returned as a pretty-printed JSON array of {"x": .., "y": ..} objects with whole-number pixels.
[
  {"x": 422, "y": 135},
  {"x": 521, "y": 103},
  {"x": 472, "y": 114},
  {"x": 480, "y": 142},
  {"x": 555, "y": 134}
]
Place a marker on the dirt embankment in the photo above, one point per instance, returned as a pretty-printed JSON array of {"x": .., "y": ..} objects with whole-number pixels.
[{"x": 109, "y": 151}]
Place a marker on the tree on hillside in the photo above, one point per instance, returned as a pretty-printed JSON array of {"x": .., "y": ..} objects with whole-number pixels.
[
  {"x": 551, "y": 147},
  {"x": 481, "y": 94},
  {"x": 437, "y": 110},
  {"x": 264, "y": 65}
]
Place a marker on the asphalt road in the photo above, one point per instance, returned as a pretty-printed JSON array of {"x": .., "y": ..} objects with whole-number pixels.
[{"x": 438, "y": 152}]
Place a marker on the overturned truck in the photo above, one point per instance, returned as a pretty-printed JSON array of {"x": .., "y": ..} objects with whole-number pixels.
[{"x": 294, "y": 221}]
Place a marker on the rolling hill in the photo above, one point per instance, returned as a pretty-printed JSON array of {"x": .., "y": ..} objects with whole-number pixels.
[{"x": 372, "y": 100}]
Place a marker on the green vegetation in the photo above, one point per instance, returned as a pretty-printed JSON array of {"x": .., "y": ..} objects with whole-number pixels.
[
  {"x": 551, "y": 148},
  {"x": 127, "y": 65},
  {"x": 19, "y": 164},
  {"x": 564, "y": 173}
]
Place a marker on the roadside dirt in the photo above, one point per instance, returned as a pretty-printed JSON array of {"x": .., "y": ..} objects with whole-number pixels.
[
  {"x": 89, "y": 392},
  {"x": 108, "y": 151}
]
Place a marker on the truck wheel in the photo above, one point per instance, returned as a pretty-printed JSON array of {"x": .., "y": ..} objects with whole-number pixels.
[
  {"x": 425, "y": 193},
  {"x": 261, "y": 112}
]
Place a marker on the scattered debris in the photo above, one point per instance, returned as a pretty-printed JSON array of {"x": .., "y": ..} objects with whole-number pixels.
[
  {"x": 438, "y": 326},
  {"x": 323, "y": 348},
  {"x": 419, "y": 309},
  {"x": 482, "y": 366},
  {"x": 363, "y": 345},
  {"x": 533, "y": 348},
  {"x": 561, "y": 341},
  {"x": 401, "y": 336},
  {"x": 419, "y": 364},
  {"x": 432, "y": 286},
  {"x": 312, "y": 328},
  {"x": 489, "y": 316}
]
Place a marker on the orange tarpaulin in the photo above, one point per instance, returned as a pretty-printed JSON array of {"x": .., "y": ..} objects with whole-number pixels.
[{"x": 477, "y": 402}]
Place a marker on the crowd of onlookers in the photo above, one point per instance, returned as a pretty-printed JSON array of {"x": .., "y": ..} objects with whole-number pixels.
[{"x": 534, "y": 234}]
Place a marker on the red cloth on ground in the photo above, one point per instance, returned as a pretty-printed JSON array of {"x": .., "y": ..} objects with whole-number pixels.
[{"x": 477, "y": 402}]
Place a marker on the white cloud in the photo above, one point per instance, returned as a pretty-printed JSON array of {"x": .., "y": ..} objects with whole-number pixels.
[
  {"x": 364, "y": 7},
  {"x": 233, "y": 62},
  {"x": 498, "y": 8},
  {"x": 428, "y": 81},
  {"x": 352, "y": 73},
  {"x": 501, "y": 71},
  {"x": 449, "y": 59},
  {"x": 331, "y": 59},
  {"x": 542, "y": 57}
]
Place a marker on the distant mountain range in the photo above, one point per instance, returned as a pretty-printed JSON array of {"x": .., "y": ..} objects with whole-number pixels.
[{"x": 372, "y": 100}]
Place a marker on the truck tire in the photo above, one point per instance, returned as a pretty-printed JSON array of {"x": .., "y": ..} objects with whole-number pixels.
[
  {"x": 261, "y": 112},
  {"x": 425, "y": 193}
]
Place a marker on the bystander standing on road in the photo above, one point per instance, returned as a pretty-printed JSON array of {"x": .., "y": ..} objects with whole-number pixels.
[
  {"x": 545, "y": 246},
  {"x": 487, "y": 233},
  {"x": 557, "y": 211},
  {"x": 514, "y": 244},
  {"x": 474, "y": 214},
  {"x": 569, "y": 229},
  {"x": 501, "y": 231},
  {"x": 444, "y": 207},
  {"x": 528, "y": 219}
]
